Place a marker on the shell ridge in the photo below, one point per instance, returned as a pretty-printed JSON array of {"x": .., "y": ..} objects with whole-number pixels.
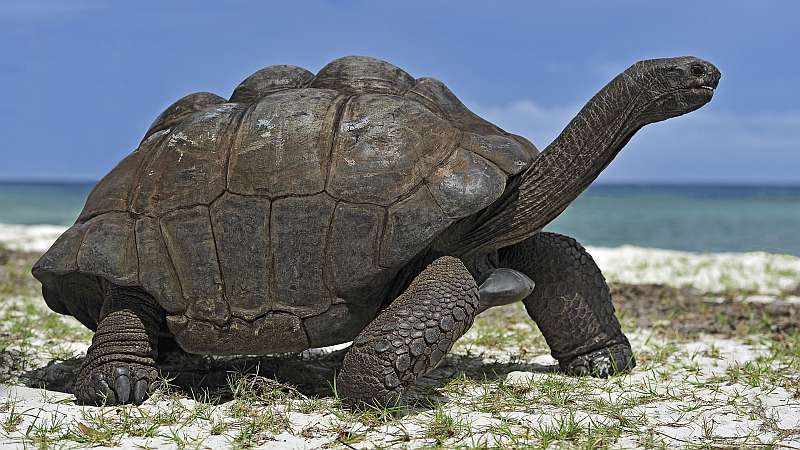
[
  {"x": 382, "y": 235},
  {"x": 78, "y": 251},
  {"x": 170, "y": 258},
  {"x": 155, "y": 127},
  {"x": 435, "y": 201},
  {"x": 136, "y": 249},
  {"x": 442, "y": 215},
  {"x": 268, "y": 80},
  {"x": 233, "y": 140},
  {"x": 337, "y": 119},
  {"x": 429, "y": 103},
  {"x": 326, "y": 276},
  {"x": 89, "y": 217},
  {"x": 272, "y": 284},
  {"x": 223, "y": 294},
  {"x": 147, "y": 159}
]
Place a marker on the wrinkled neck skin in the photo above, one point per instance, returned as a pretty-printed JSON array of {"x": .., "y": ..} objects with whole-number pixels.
[
  {"x": 561, "y": 172},
  {"x": 575, "y": 159}
]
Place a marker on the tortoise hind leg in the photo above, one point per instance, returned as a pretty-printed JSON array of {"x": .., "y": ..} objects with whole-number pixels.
[
  {"x": 571, "y": 305},
  {"x": 120, "y": 364},
  {"x": 410, "y": 336}
]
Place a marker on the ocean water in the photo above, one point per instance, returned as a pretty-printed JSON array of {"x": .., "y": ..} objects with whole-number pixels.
[
  {"x": 31, "y": 203},
  {"x": 701, "y": 218}
]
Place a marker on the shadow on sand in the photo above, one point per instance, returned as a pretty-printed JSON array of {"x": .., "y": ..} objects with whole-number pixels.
[{"x": 312, "y": 374}]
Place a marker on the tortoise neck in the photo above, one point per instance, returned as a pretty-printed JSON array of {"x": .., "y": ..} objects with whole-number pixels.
[
  {"x": 562, "y": 171},
  {"x": 577, "y": 156}
]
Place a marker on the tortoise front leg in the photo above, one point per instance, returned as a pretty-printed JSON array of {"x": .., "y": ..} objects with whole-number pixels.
[
  {"x": 410, "y": 336},
  {"x": 120, "y": 364},
  {"x": 571, "y": 305}
]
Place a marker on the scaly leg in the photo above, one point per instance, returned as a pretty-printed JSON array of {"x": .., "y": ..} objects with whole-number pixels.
[
  {"x": 571, "y": 304},
  {"x": 120, "y": 364},
  {"x": 411, "y": 335}
]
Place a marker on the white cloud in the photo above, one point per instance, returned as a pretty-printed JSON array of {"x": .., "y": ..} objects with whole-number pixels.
[{"x": 704, "y": 146}]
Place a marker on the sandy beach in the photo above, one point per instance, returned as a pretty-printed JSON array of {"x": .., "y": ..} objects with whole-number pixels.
[
  {"x": 716, "y": 338},
  {"x": 29, "y": 238}
]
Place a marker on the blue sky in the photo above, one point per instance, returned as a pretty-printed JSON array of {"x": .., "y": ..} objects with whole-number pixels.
[{"x": 82, "y": 80}]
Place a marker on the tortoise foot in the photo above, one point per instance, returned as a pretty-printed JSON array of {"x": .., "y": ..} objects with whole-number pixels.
[
  {"x": 120, "y": 364},
  {"x": 116, "y": 383},
  {"x": 602, "y": 363},
  {"x": 410, "y": 337}
]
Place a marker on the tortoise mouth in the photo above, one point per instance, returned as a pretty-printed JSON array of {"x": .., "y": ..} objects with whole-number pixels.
[
  {"x": 672, "y": 103},
  {"x": 679, "y": 101},
  {"x": 703, "y": 91}
]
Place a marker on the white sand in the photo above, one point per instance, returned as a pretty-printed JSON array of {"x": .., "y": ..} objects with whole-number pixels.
[
  {"x": 758, "y": 272},
  {"x": 29, "y": 238}
]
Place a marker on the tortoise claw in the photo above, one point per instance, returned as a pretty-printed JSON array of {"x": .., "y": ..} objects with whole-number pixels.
[
  {"x": 105, "y": 393},
  {"x": 122, "y": 386},
  {"x": 111, "y": 384},
  {"x": 601, "y": 363},
  {"x": 140, "y": 391}
]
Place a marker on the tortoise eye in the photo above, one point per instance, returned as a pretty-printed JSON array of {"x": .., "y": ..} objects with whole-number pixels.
[{"x": 698, "y": 70}]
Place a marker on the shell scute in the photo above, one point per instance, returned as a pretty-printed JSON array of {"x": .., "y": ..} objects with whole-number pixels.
[
  {"x": 188, "y": 167},
  {"x": 270, "y": 79},
  {"x": 299, "y": 233},
  {"x": 412, "y": 224},
  {"x": 438, "y": 97},
  {"x": 384, "y": 147},
  {"x": 181, "y": 109},
  {"x": 156, "y": 272},
  {"x": 241, "y": 232},
  {"x": 189, "y": 239},
  {"x": 506, "y": 152},
  {"x": 353, "y": 267},
  {"x": 108, "y": 249},
  {"x": 113, "y": 191},
  {"x": 362, "y": 74},
  {"x": 282, "y": 145},
  {"x": 272, "y": 333},
  {"x": 466, "y": 183}
]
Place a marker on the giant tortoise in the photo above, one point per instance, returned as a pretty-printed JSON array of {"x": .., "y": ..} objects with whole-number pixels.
[{"x": 358, "y": 204}]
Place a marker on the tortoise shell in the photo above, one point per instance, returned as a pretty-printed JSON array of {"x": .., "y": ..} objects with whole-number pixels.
[{"x": 276, "y": 220}]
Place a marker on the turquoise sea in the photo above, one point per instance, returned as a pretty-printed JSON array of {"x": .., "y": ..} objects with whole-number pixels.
[{"x": 682, "y": 217}]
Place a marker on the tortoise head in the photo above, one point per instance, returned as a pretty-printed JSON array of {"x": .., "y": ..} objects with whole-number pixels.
[{"x": 670, "y": 87}]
